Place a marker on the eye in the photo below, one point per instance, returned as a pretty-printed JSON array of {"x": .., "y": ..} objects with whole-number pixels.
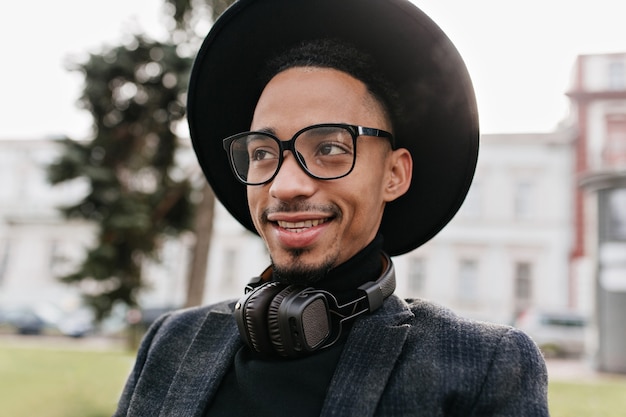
[
  {"x": 330, "y": 148},
  {"x": 262, "y": 154},
  {"x": 260, "y": 148}
]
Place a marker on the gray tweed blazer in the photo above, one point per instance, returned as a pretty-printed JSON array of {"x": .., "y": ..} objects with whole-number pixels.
[{"x": 405, "y": 359}]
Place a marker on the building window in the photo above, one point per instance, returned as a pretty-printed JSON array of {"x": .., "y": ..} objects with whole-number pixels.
[
  {"x": 614, "y": 153},
  {"x": 416, "y": 276},
  {"x": 613, "y": 215},
  {"x": 5, "y": 251},
  {"x": 523, "y": 286},
  {"x": 522, "y": 204},
  {"x": 617, "y": 75},
  {"x": 468, "y": 280}
]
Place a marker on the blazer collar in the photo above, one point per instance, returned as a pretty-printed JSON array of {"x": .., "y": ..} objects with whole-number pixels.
[{"x": 367, "y": 360}]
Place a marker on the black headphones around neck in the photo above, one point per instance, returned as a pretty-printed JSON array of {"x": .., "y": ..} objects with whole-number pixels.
[{"x": 293, "y": 320}]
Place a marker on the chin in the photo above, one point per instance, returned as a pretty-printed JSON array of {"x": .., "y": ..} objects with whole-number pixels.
[{"x": 298, "y": 270}]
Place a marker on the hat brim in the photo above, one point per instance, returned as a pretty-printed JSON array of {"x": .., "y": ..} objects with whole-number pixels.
[{"x": 440, "y": 128}]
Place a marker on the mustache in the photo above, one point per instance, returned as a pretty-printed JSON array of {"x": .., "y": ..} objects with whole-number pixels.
[{"x": 301, "y": 206}]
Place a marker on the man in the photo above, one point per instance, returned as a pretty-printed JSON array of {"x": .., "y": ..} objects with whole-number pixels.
[{"x": 359, "y": 141}]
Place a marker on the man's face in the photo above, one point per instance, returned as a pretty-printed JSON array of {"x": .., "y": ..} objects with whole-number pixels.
[{"x": 312, "y": 225}]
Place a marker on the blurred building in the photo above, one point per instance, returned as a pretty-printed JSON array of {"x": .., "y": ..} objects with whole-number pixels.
[
  {"x": 36, "y": 242},
  {"x": 38, "y": 245},
  {"x": 543, "y": 227},
  {"x": 506, "y": 251},
  {"x": 598, "y": 97}
]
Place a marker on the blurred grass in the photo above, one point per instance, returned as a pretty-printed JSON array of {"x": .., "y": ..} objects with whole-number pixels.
[
  {"x": 61, "y": 383},
  {"x": 82, "y": 383},
  {"x": 597, "y": 398}
]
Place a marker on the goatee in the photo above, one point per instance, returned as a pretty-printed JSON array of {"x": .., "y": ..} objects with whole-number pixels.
[{"x": 298, "y": 273}]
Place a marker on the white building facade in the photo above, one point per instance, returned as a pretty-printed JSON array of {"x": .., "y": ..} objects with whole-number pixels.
[
  {"x": 507, "y": 249},
  {"x": 36, "y": 243}
]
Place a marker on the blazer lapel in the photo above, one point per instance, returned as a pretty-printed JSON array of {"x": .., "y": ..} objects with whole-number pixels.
[
  {"x": 367, "y": 360},
  {"x": 205, "y": 363}
]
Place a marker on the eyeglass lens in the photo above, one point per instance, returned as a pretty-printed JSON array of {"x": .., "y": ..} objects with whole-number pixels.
[{"x": 326, "y": 152}]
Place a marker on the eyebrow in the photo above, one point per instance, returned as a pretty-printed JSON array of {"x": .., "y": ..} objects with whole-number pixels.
[{"x": 269, "y": 130}]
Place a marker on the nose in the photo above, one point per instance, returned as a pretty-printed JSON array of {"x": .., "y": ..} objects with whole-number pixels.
[{"x": 291, "y": 181}]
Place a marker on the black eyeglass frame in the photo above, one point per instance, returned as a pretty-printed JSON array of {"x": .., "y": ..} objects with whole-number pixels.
[{"x": 289, "y": 145}]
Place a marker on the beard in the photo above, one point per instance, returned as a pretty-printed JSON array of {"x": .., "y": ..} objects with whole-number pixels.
[{"x": 297, "y": 272}]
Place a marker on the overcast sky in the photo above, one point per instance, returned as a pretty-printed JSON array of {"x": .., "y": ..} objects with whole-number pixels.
[{"x": 519, "y": 53}]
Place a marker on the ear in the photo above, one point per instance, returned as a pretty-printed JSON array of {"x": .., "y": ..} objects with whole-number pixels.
[{"x": 399, "y": 174}]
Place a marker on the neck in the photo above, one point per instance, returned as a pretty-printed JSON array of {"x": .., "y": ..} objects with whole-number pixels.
[
  {"x": 343, "y": 281},
  {"x": 364, "y": 266}
]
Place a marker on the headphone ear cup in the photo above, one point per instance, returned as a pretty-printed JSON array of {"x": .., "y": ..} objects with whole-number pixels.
[
  {"x": 273, "y": 320},
  {"x": 255, "y": 316}
]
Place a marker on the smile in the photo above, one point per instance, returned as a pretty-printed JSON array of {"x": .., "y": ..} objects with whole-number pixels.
[{"x": 297, "y": 227}]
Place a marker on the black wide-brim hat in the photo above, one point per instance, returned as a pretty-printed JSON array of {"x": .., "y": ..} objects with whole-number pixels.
[{"x": 440, "y": 127}]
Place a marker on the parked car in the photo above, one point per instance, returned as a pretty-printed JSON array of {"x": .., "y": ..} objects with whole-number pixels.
[
  {"x": 48, "y": 319},
  {"x": 76, "y": 324},
  {"x": 25, "y": 321},
  {"x": 557, "y": 333}
]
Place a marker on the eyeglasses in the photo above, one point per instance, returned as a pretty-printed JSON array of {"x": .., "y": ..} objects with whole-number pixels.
[{"x": 324, "y": 151}]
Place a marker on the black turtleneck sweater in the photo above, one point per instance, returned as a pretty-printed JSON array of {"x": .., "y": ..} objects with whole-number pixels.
[{"x": 260, "y": 386}]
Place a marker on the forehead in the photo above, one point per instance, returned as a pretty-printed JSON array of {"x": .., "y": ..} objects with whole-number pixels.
[{"x": 303, "y": 96}]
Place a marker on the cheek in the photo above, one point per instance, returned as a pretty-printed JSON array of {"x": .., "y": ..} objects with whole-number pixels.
[
  {"x": 254, "y": 202},
  {"x": 370, "y": 179},
  {"x": 363, "y": 206},
  {"x": 367, "y": 195}
]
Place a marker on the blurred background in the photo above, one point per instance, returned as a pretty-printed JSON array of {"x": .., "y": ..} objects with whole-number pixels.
[{"x": 106, "y": 221}]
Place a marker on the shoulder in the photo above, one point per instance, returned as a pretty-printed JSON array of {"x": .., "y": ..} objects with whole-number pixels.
[
  {"x": 193, "y": 314},
  {"x": 176, "y": 339},
  {"x": 439, "y": 321},
  {"x": 170, "y": 337},
  {"x": 452, "y": 336},
  {"x": 180, "y": 326},
  {"x": 439, "y": 337},
  {"x": 472, "y": 365}
]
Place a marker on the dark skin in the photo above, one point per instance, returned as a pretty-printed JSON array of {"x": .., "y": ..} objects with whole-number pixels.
[{"x": 311, "y": 225}]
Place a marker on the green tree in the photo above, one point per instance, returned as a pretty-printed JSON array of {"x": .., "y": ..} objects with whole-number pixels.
[{"x": 137, "y": 195}]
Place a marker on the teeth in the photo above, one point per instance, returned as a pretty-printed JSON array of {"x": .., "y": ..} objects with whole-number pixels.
[{"x": 300, "y": 226}]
